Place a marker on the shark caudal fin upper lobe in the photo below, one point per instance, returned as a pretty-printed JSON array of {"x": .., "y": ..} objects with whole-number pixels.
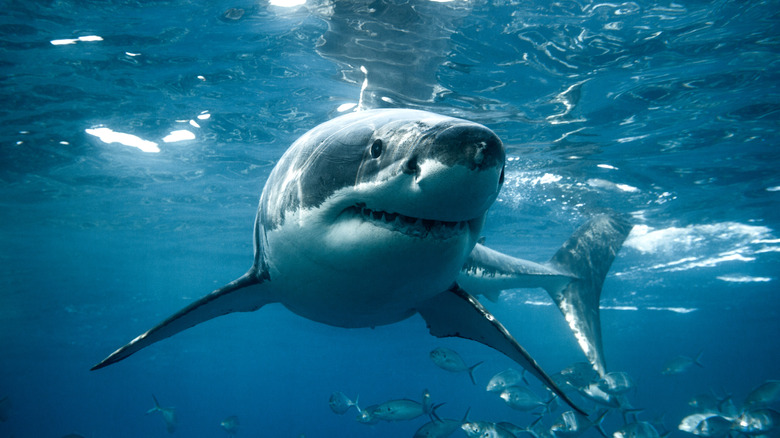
[
  {"x": 237, "y": 296},
  {"x": 587, "y": 256}
]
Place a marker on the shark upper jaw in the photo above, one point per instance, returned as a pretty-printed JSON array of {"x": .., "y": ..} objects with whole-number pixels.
[
  {"x": 413, "y": 227},
  {"x": 447, "y": 204}
]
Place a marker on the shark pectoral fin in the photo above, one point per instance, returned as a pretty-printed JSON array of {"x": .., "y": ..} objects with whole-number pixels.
[
  {"x": 236, "y": 296},
  {"x": 587, "y": 256},
  {"x": 455, "y": 313}
]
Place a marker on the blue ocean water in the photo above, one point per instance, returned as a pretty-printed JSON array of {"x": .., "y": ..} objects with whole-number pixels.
[{"x": 136, "y": 137}]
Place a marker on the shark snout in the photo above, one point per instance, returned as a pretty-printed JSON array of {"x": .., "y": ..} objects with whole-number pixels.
[
  {"x": 471, "y": 145},
  {"x": 458, "y": 174}
]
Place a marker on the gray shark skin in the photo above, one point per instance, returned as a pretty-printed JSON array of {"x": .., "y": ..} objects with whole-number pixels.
[{"x": 374, "y": 216}]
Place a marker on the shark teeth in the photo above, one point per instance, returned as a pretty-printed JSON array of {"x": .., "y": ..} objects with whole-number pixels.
[{"x": 411, "y": 226}]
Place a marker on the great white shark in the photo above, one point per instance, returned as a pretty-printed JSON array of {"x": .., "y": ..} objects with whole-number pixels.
[{"x": 375, "y": 216}]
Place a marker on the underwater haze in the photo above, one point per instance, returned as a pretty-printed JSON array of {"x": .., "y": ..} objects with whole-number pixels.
[{"x": 135, "y": 139}]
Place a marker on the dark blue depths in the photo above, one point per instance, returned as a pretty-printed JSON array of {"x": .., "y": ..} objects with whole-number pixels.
[{"x": 667, "y": 112}]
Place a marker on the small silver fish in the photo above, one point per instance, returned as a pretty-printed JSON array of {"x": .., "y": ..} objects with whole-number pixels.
[
  {"x": 340, "y": 403},
  {"x": 681, "y": 364},
  {"x": 579, "y": 374},
  {"x": 504, "y": 379},
  {"x": 440, "y": 428},
  {"x": 705, "y": 403},
  {"x": 593, "y": 393},
  {"x": 522, "y": 398},
  {"x": 485, "y": 429},
  {"x": 450, "y": 360},
  {"x": 437, "y": 429},
  {"x": 764, "y": 395},
  {"x": 404, "y": 409},
  {"x": 715, "y": 426},
  {"x": 616, "y": 383},
  {"x": 168, "y": 415},
  {"x": 571, "y": 424},
  {"x": 758, "y": 422},
  {"x": 689, "y": 423},
  {"x": 711, "y": 404},
  {"x": 366, "y": 416},
  {"x": 561, "y": 381},
  {"x": 706, "y": 425},
  {"x": 399, "y": 410},
  {"x": 230, "y": 424},
  {"x": 514, "y": 429}
]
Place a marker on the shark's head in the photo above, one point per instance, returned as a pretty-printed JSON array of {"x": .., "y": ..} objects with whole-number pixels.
[
  {"x": 397, "y": 193},
  {"x": 411, "y": 163}
]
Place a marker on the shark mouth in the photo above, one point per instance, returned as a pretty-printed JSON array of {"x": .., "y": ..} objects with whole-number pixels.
[{"x": 408, "y": 225}]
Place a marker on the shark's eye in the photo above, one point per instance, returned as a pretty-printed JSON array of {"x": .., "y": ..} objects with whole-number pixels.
[{"x": 376, "y": 148}]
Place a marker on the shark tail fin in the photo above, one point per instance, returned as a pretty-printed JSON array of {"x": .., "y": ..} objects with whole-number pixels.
[
  {"x": 697, "y": 361},
  {"x": 599, "y": 421},
  {"x": 156, "y": 406},
  {"x": 466, "y": 415},
  {"x": 357, "y": 406},
  {"x": 535, "y": 427},
  {"x": 433, "y": 415},
  {"x": 630, "y": 411},
  {"x": 549, "y": 405},
  {"x": 587, "y": 257},
  {"x": 471, "y": 371}
]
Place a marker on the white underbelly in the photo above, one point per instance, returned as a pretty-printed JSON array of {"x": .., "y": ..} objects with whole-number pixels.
[{"x": 373, "y": 277}]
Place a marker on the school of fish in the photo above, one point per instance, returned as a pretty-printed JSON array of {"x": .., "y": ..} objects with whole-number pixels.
[{"x": 607, "y": 395}]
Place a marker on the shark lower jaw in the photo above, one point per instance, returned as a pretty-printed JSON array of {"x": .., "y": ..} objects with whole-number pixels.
[{"x": 410, "y": 226}]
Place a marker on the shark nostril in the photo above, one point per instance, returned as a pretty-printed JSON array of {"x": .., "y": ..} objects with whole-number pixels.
[
  {"x": 479, "y": 155},
  {"x": 410, "y": 167}
]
